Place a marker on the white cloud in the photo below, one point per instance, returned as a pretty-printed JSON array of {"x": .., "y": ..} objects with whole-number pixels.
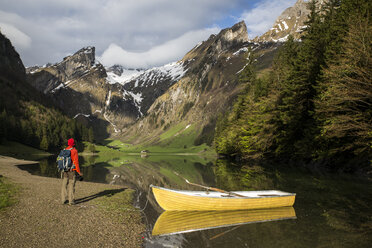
[
  {"x": 141, "y": 29},
  {"x": 18, "y": 38},
  {"x": 62, "y": 27},
  {"x": 169, "y": 51},
  {"x": 261, "y": 18}
]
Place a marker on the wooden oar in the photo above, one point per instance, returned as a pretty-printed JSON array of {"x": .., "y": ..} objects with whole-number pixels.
[
  {"x": 214, "y": 189},
  {"x": 210, "y": 188}
]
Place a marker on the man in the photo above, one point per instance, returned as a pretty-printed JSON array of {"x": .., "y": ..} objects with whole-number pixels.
[{"x": 69, "y": 177}]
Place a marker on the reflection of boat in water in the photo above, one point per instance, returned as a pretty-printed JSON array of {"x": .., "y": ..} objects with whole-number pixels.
[
  {"x": 170, "y": 199},
  {"x": 174, "y": 222}
]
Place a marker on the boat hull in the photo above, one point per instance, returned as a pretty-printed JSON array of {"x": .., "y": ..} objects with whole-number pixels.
[{"x": 176, "y": 200}]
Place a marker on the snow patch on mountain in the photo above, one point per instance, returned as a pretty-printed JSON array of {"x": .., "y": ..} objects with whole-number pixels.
[
  {"x": 285, "y": 25},
  {"x": 197, "y": 45},
  {"x": 116, "y": 130},
  {"x": 85, "y": 115},
  {"x": 241, "y": 50},
  {"x": 137, "y": 99},
  {"x": 126, "y": 76},
  {"x": 105, "y": 113},
  {"x": 108, "y": 99},
  {"x": 284, "y": 39},
  {"x": 57, "y": 88},
  {"x": 174, "y": 71}
]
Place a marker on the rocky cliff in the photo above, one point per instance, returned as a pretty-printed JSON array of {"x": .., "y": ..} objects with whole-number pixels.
[
  {"x": 48, "y": 77},
  {"x": 290, "y": 22},
  {"x": 188, "y": 110},
  {"x": 111, "y": 98},
  {"x": 143, "y": 87},
  {"x": 10, "y": 63},
  {"x": 13, "y": 83},
  {"x": 78, "y": 86}
]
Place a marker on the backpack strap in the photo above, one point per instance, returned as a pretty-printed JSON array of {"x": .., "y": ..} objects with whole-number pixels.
[{"x": 73, "y": 165}]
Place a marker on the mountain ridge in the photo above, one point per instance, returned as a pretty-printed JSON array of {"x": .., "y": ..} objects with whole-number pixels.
[
  {"x": 290, "y": 22},
  {"x": 195, "y": 89},
  {"x": 27, "y": 115}
]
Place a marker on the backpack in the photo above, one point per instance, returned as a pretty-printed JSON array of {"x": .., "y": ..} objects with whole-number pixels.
[{"x": 64, "y": 162}]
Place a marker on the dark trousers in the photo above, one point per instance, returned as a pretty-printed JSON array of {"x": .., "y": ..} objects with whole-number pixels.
[{"x": 68, "y": 181}]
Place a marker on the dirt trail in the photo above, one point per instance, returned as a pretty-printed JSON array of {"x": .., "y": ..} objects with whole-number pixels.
[{"x": 40, "y": 220}]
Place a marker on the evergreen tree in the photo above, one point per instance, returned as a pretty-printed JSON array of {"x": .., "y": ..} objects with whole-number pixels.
[
  {"x": 345, "y": 103},
  {"x": 295, "y": 125},
  {"x": 256, "y": 129},
  {"x": 220, "y": 138},
  {"x": 27, "y": 133},
  {"x": 65, "y": 134},
  {"x": 334, "y": 25}
]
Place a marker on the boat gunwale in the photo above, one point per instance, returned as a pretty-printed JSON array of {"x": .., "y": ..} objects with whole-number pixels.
[{"x": 183, "y": 192}]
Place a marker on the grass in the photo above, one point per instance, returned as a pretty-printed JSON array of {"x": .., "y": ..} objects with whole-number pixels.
[
  {"x": 177, "y": 139},
  {"x": 117, "y": 200},
  {"x": 182, "y": 143},
  {"x": 104, "y": 155},
  {"x": 118, "y": 205},
  {"x": 172, "y": 131},
  {"x": 18, "y": 150},
  {"x": 8, "y": 192}
]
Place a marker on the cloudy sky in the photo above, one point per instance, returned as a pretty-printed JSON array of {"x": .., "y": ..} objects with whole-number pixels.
[{"x": 133, "y": 33}]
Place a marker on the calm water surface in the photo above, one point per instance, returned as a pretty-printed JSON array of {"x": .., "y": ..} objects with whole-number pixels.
[{"x": 330, "y": 210}]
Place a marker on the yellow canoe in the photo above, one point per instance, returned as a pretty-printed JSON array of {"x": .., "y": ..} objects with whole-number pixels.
[
  {"x": 174, "y": 222},
  {"x": 170, "y": 199}
]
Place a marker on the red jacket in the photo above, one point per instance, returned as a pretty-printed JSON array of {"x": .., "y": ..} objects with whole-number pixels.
[{"x": 74, "y": 158}]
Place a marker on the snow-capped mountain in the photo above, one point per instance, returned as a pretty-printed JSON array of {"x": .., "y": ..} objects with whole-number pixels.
[
  {"x": 121, "y": 75},
  {"x": 191, "y": 92},
  {"x": 115, "y": 99},
  {"x": 152, "y": 83},
  {"x": 142, "y": 87},
  {"x": 184, "y": 97},
  {"x": 84, "y": 88},
  {"x": 206, "y": 89}
]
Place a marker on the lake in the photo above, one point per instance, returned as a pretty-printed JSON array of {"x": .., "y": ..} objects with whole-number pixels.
[{"x": 330, "y": 210}]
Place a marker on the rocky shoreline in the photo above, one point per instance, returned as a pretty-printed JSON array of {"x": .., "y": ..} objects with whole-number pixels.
[{"x": 38, "y": 219}]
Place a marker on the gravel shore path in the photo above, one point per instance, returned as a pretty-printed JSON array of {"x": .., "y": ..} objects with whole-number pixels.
[{"x": 38, "y": 219}]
